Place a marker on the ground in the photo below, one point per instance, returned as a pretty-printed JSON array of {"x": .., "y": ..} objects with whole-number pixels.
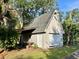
[
  {"x": 74, "y": 55},
  {"x": 55, "y": 53}
]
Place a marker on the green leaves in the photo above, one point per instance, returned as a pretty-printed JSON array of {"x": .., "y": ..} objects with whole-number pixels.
[
  {"x": 35, "y": 3},
  {"x": 0, "y": 9},
  {"x": 75, "y": 14},
  {"x": 71, "y": 29},
  {"x": 8, "y": 38},
  {"x": 6, "y": 1}
]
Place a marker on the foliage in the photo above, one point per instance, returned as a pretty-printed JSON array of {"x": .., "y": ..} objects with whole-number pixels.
[
  {"x": 31, "y": 8},
  {"x": 71, "y": 30},
  {"x": 35, "y": 3},
  {"x": 6, "y": 1},
  {"x": 0, "y": 9},
  {"x": 8, "y": 38},
  {"x": 8, "y": 34},
  {"x": 75, "y": 14},
  {"x": 35, "y": 46}
]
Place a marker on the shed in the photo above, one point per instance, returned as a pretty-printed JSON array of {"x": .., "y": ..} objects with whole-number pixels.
[{"x": 45, "y": 31}]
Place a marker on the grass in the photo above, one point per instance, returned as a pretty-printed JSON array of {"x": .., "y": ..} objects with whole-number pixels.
[
  {"x": 60, "y": 53},
  {"x": 55, "y": 53}
]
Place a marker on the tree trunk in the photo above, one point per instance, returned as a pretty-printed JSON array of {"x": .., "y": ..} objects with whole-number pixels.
[{"x": 68, "y": 39}]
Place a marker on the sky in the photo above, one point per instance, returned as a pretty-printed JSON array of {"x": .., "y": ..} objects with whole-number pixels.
[{"x": 67, "y": 5}]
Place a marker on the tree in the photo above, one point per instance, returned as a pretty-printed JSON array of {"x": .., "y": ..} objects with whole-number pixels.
[
  {"x": 75, "y": 14},
  {"x": 71, "y": 29},
  {"x": 31, "y": 8},
  {"x": 8, "y": 33},
  {"x": 8, "y": 38}
]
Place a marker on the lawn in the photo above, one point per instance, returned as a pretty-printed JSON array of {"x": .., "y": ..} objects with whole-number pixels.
[{"x": 55, "y": 53}]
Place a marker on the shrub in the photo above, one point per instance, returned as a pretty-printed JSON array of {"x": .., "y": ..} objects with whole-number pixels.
[
  {"x": 0, "y": 9},
  {"x": 8, "y": 38}
]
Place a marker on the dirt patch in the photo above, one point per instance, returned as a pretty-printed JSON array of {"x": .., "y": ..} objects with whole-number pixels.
[{"x": 20, "y": 52}]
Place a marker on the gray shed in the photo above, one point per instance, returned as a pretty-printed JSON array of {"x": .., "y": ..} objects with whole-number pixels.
[{"x": 45, "y": 31}]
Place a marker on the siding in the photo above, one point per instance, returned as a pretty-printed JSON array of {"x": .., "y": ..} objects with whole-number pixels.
[
  {"x": 41, "y": 40},
  {"x": 56, "y": 40},
  {"x": 37, "y": 39},
  {"x": 33, "y": 39},
  {"x": 54, "y": 26},
  {"x": 45, "y": 41}
]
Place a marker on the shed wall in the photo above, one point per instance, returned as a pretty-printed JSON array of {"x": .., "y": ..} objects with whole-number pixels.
[{"x": 47, "y": 40}]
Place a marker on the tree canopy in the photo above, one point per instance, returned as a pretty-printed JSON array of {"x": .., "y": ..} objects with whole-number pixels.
[
  {"x": 71, "y": 27},
  {"x": 31, "y": 8}
]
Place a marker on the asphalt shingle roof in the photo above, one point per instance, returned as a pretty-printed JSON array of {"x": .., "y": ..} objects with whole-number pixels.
[{"x": 39, "y": 23}]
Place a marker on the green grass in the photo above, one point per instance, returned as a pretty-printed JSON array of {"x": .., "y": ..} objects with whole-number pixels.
[
  {"x": 55, "y": 53},
  {"x": 60, "y": 53}
]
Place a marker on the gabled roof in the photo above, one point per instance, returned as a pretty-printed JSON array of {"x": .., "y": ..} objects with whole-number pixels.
[{"x": 40, "y": 23}]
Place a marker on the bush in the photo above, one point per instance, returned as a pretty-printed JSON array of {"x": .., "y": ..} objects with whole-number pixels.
[
  {"x": 35, "y": 46},
  {"x": 0, "y": 9},
  {"x": 8, "y": 38}
]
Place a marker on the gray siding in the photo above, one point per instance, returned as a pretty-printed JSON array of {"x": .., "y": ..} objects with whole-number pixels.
[{"x": 47, "y": 40}]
